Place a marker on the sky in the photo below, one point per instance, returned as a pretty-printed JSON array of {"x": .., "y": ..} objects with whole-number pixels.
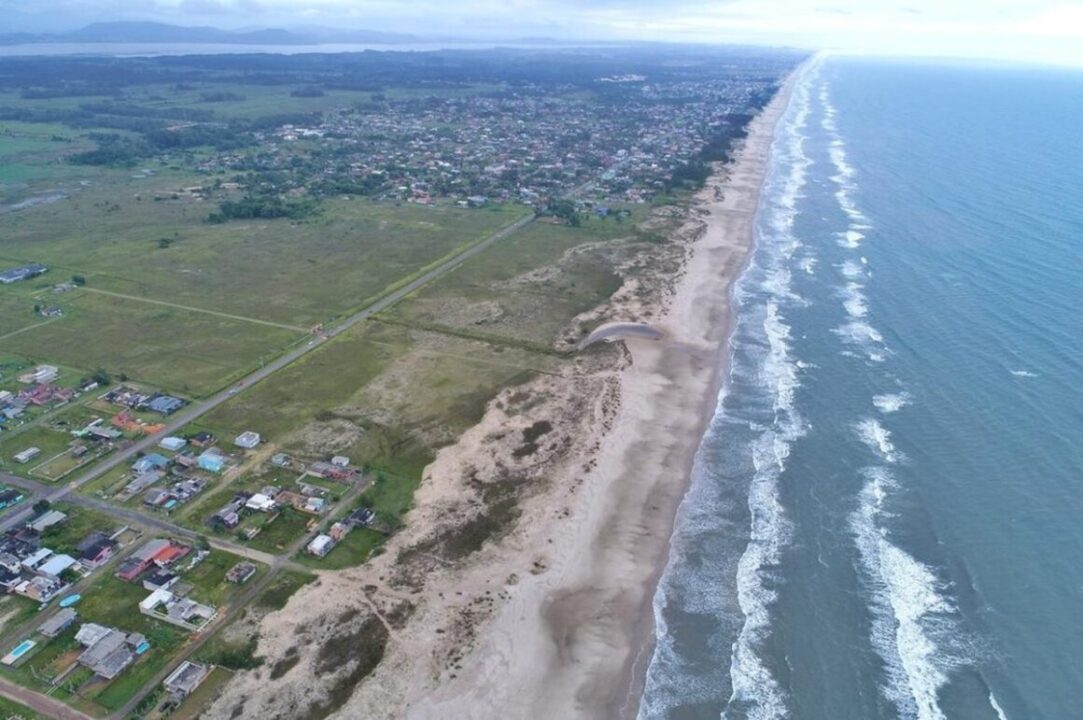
[{"x": 1043, "y": 31}]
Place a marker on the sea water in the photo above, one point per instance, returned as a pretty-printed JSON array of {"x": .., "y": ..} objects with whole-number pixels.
[{"x": 886, "y": 514}]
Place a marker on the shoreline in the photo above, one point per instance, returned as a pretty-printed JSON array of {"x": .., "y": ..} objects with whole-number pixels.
[{"x": 758, "y": 145}]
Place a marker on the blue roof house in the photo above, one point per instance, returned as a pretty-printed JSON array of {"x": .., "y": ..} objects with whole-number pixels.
[
  {"x": 212, "y": 461},
  {"x": 151, "y": 461}
]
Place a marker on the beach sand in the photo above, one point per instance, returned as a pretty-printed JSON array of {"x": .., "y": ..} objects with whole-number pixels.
[{"x": 553, "y": 617}]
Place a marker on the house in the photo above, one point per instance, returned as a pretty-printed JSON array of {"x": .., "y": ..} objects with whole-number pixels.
[
  {"x": 27, "y": 455},
  {"x": 340, "y": 461},
  {"x": 241, "y": 572},
  {"x": 164, "y": 404},
  {"x": 160, "y": 580},
  {"x": 202, "y": 439},
  {"x": 95, "y": 549},
  {"x": 314, "y": 505},
  {"x": 46, "y": 520},
  {"x": 320, "y": 545},
  {"x": 187, "y": 677},
  {"x": 281, "y": 460},
  {"x": 172, "y": 443},
  {"x": 182, "y": 612},
  {"x": 339, "y": 530},
  {"x": 60, "y": 621},
  {"x": 212, "y": 460},
  {"x": 108, "y": 650},
  {"x": 55, "y": 565},
  {"x": 150, "y": 461},
  {"x": 247, "y": 440},
  {"x": 9, "y": 497},
  {"x": 156, "y": 551},
  {"x": 141, "y": 482},
  {"x": 40, "y": 375},
  {"x": 260, "y": 503},
  {"x": 331, "y": 472},
  {"x": 41, "y": 588},
  {"x": 32, "y": 560}
]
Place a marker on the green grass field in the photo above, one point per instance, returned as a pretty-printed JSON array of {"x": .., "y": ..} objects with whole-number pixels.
[{"x": 187, "y": 352}]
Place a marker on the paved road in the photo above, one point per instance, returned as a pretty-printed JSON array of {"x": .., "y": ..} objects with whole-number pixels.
[{"x": 197, "y": 410}]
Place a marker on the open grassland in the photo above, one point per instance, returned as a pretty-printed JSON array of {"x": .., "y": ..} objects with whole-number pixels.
[
  {"x": 526, "y": 288},
  {"x": 284, "y": 271},
  {"x": 180, "y": 350}
]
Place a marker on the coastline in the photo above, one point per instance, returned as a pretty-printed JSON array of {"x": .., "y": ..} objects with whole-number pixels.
[
  {"x": 552, "y": 616},
  {"x": 735, "y": 219},
  {"x": 571, "y": 640}
]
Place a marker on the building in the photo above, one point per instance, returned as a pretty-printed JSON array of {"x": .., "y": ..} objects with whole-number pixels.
[
  {"x": 23, "y": 272},
  {"x": 164, "y": 404},
  {"x": 182, "y": 612},
  {"x": 261, "y": 503},
  {"x": 55, "y": 565},
  {"x": 27, "y": 455},
  {"x": 320, "y": 545},
  {"x": 241, "y": 573},
  {"x": 247, "y": 440},
  {"x": 41, "y": 375},
  {"x": 150, "y": 461},
  {"x": 340, "y": 461},
  {"x": 108, "y": 650},
  {"x": 173, "y": 444},
  {"x": 186, "y": 678},
  {"x": 41, "y": 588},
  {"x": 60, "y": 621},
  {"x": 46, "y": 520},
  {"x": 202, "y": 439},
  {"x": 157, "y": 552},
  {"x": 95, "y": 549},
  {"x": 9, "y": 497},
  {"x": 212, "y": 461}
]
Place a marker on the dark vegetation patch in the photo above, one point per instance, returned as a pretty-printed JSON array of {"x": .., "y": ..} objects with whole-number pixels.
[
  {"x": 360, "y": 650},
  {"x": 286, "y": 663},
  {"x": 531, "y": 435}
]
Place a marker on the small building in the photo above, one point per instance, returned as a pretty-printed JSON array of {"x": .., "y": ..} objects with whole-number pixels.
[
  {"x": 212, "y": 461},
  {"x": 95, "y": 549},
  {"x": 185, "y": 679},
  {"x": 27, "y": 455},
  {"x": 247, "y": 440},
  {"x": 202, "y": 439},
  {"x": 160, "y": 580},
  {"x": 320, "y": 545},
  {"x": 182, "y": 612},
  {"x": 164, "y": 404},
  {"x": 340, "y": 461},
  {"x": 172, "y": 443},
  {"x": 9, "y": 497},
  {"x": 261, "y": 503},
  {"x": 150, "y": 461},
  {"x": 23, "y": 272},
  {"x": 241, "y": 573},
  {"x": 55, "y": 565},
  {"x": 46, "y": 520},
  {"x": 108, "y": 650},
  {"x": 40, "y": 375},
  {"x": 60, "y": 621}
]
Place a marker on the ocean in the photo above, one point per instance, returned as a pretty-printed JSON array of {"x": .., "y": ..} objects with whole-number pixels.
[{"x": 885, "y": 519}]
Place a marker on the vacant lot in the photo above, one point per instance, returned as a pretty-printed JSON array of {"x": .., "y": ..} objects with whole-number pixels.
[
  {"x": 526, "y": 288},
  {"x": 290, "y": 272},
  {"x": 180, "y": 350}
]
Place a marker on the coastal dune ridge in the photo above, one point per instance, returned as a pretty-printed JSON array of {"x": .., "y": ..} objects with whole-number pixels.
[{"x": 576, "y": 643}]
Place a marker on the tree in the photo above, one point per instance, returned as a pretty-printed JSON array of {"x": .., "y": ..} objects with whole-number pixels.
[
  {"x": 78, "y": 280},
  {"x": 42, "y": 506}
]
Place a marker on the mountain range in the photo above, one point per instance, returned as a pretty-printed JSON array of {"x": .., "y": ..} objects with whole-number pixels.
[{"x": 153, "y": 32}]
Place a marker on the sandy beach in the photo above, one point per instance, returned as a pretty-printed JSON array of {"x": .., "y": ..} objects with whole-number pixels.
[{"x": 553, "y": 617}]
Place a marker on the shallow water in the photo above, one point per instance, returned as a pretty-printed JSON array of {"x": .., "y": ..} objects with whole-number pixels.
[{"x": 884, "y": 519}]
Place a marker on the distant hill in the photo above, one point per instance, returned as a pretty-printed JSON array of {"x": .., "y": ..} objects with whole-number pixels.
[{"x": 153, "y": 32}]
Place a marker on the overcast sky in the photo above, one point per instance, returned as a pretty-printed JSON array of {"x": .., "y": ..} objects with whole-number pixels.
[{"x": 1037, "y": 30}]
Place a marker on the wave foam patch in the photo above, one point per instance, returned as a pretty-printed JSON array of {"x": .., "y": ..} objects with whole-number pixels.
[
  {"x": 877, "y": 437},
  {"x": 851, "y": 239},
  {"x": 859, "y": 333},
  {"x": 1024, "y": 373},
  {"x": 891, "y": 402},
  {"x": 908, "y": 606},
  {"x": 852, "y": 270},
  {"x": 853, "y": 299}
]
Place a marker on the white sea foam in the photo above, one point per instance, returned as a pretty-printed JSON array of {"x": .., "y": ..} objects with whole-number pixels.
[
  {"x": 851, "y": 238},
  {"x": 909, "y": 609},
  {"x": 853, "y": 299},
  {"x": 891, "y": 402},
  {"x": 877, "y": 437},
  {"x": 859, "y": 333},
  {"x": 851, "y": 270},
  {"x": 1024, "y": 373},
  {"x": 755, "y": 689},
  {"x": 996, "y": 707},
  {"x": 808, "y": 264}
]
